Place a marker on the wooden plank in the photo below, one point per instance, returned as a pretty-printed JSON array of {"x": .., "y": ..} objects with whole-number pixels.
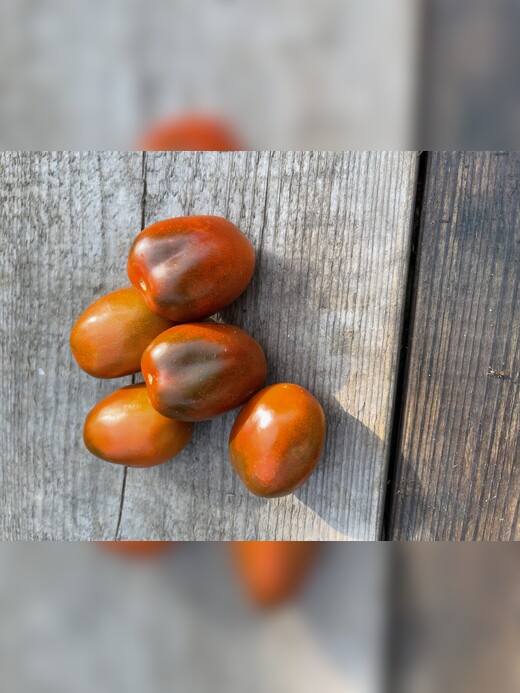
[
  {"x": 457, "y": 475},
  {"x": 332, "y": 234},
  {"x": 325, "y": 303},
  {"x": 65, "y": 221}
]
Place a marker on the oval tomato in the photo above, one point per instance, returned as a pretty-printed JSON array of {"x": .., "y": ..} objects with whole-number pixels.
[
  {"x": 189, "y": 268},
  {"x": 124, "y": 428},
  {"x": 197, "y": 371},
  {"x": 277, "y": 439},
  {"x": 109, "y": 339},
  {"x": 273, "y": 571}
]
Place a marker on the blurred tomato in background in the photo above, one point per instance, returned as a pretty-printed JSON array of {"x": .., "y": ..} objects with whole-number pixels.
[
  {"x": 137, "y": 549},
  {"x": 192, "y": 132},
  {"x": 273, "y": 571}
]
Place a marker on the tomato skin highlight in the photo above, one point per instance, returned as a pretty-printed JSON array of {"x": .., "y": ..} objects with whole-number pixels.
[
  {"x": 124, "y": 428},
  {"x": 189, "y": 268},
  {"x": 197, "y": 371},
  {"x": 277, "y": 440},
  {"x": 109, "y": 338},
  {"x": 273, "y": 571}
]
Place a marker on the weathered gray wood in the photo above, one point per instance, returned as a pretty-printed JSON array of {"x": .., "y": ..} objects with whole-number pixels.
[
  {"x": 457, "y": 475},
  {"x": 332, "y": 236},
  {"x": 65, "y": 221}
]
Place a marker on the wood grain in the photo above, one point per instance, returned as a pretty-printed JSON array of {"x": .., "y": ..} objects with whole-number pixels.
[
  {"x": 65, "y": 220},
  {"x": 457, "y": 475},
  {"x": 332, "y": 235}
]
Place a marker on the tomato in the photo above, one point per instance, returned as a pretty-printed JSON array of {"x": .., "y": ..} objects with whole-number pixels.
[
  {"x": 273, "y": 571},
  {"x": 277, "y": 439},
  {"x": 137, "y": 549},
  {"x": 191, "y": 133},
  {"x": 197, "y": 371},
  {"x": 124, "y": 428},
  {"x": 189, "y": 268},
  {"x": 108, "y": 340}
]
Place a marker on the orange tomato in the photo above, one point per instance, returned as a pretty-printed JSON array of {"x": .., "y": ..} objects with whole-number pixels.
[
  {"x": 277, "y": 439},
  {"x": 190, "y": 133},
  {"x": 200, "y": 370},
  {"x": 273, "y": 571},
  {"x": 108, "y": 340},
  {"x": 124, "y": 428},
  {"x": 189, "y": 268}
]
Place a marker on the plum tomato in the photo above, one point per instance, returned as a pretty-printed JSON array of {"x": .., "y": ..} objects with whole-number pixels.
[
  {"x": 109, "y": 339},
  {"x": 189, "y": 268},
  {"x": 200, "y": 370},
  {"x": 277, "y": 439},
  {"x": 124, "y": 428},
  {"x": 273, "y": 571}
]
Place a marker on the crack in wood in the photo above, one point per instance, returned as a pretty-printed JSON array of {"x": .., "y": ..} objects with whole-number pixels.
[{"x": 117, "y": 535}]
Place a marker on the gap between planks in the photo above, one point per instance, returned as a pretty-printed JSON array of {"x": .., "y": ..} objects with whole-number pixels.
[{"x": 404, "y": 348}]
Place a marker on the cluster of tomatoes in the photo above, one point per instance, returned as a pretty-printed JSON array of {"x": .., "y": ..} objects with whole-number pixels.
[{"x": 183, "y": 271}]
